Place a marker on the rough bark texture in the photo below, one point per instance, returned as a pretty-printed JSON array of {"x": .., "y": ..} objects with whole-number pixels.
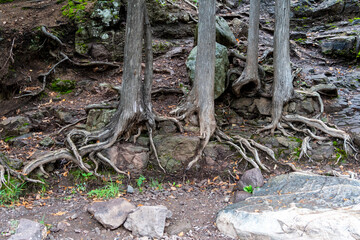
[
  {"x": 282, "y": 86},
  {"x": 249, "y": 83}
]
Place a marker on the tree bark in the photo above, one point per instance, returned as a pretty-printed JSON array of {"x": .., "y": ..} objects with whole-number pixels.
[
  {"x": 282, "y": 86},
  {"x": 249, "y": 83}
]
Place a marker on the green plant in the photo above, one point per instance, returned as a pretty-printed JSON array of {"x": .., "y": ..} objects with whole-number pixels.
[
  {"x": 140, "y": 181},
  {"x": 249, "y": 189},
  {"x": 63, "y": 86},
  {"x": 7, "y": 139},
  {"x": 5, "y": 1},
  {"x": 154, "y": 183},
  {"x": 81, "y": 187},
  {"x": 110, "y": 190},
  {"x": 11, "y": 191}
]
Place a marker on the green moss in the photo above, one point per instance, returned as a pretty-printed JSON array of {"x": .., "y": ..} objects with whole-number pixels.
[
  {"x": 6, "y": 1},
  {"x": 63, "y": 86},
  {"x": 75, "y": 10}
]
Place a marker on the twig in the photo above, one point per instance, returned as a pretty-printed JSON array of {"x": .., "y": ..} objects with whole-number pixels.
[
  {"x": 71, "y": 124},
  {"x": 10, "y": 54}
]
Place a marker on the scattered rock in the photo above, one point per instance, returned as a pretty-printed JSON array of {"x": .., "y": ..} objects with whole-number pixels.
[
  {"x": 288, "y": 204},
  {"x": 13, "y": 163},
  {"x": 224, "y": 35},
  {"x": 264, "y": 106},
  {"x": 148, "y": 221},
  {"x": 251, "y": 177},
  {"x": 221, "y": 67},
  {"x": 239, "y": 27},
  {"x": 15, "y": 126},
  {"x": 31, "y": 230},
  {"x": 111, "y": 214},
  {"x": 181, "y": 226},
  {"x": 240, "y": 196},
  {"x": 47, "y": 142}
]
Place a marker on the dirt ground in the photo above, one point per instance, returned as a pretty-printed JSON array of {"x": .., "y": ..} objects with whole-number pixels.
[{"x": 192, "y": 199}]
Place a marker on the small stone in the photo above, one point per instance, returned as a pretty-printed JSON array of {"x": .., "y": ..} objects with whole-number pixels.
[
  {"x": 130, "y": 189},
  {"x": 28, "y": 229}
]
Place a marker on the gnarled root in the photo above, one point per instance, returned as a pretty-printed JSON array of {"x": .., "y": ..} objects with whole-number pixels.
[
  {"x": 322, "y": 127},
  {"x": 250, "y": 145},
  {"x": 246, "y": 85}
]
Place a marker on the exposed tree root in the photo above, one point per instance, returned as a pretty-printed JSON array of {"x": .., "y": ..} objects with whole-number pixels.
[
  {"x": 51, "y": 36},
  {"x": 318, "y": 124},
  {"x": 11, "y": 56},
  {"x": 2, "y": 176}
]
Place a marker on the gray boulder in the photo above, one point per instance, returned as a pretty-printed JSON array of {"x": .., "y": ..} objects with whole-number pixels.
[
  {"x": 296, "y": 206},
  {"x": 221, "y": 67},
  {"x": 29, "y": 230},
  {"x": 15, "y": 126},
  {"x": 111, "y": 214},
  {"x": 148, "y": 221},
  {"x": 224, "y": 35},
  {"x": 251, "y": 177},
  {"x": 174, "y": 150},
  {"x": 345, "y": 46},
  {"x": 331, "y": 7}
]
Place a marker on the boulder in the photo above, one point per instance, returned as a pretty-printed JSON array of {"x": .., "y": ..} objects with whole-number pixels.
[
  {"x": 296, "y": 206},
  {"x": 174, "y": 150},
  {"x": 128, "y": 157},
  {"x": 14, "y": 126},
  {"x": 111, "y": 214},
  {"x": 148, "y": 221},
  {"x": 28, "y": 229},
  {"x": 251, "y": 177},
  {"x": 221, "y": 67},
  {"x": 98, "y": 118},
  {"x": 330, "y": 7},
  {"x": 224, "y": 35},
  {"x": 344, "y": 46}
]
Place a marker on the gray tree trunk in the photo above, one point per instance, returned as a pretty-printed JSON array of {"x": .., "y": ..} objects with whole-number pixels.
[
  {"x": 282, "y": 86},
  {"x": 205, "y": 67},
  {"x": 249, "y": 83}
]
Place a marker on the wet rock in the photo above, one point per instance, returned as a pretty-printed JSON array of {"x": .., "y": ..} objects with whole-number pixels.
[
  {"x": 241, "y": 196},
  {"x": 251, "y": 177},
  {"x": 221, "y": 67},
  {"x": 148, "y": 221},
  {"x": 15, "y": 126},
  {"x": 98, "y": 118},
  {"x": 351, "y": 8},
  {"x": 128, "y": 157},
  {"x": 181, "y": 226},
  {"x": 288, "y": 204},
  {"x": 319, "y": 78},
  {"x": 111, "y": 214},
  {"x": 232, "y": 3},
  {"x": 167, "y": 127},
  {"x": 28, "y": 229},
  {"x": 344, "y": 46},
  {"x": 175, "y": 150}
]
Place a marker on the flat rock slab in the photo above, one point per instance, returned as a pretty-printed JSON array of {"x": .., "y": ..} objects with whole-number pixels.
[
  {"x": 296, "y": 206},
  {"x": 148, "y": 221},
  {"x": 111, "y": 214},
  {"x": 29, "y": 230}
]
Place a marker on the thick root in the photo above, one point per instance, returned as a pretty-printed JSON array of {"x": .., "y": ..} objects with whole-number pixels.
[{"x": 322, "y": 127}]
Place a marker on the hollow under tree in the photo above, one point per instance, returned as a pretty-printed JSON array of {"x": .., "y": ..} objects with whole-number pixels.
[
  {"x": 133, "y": 111},
  {"x": 249, "y": 82}
]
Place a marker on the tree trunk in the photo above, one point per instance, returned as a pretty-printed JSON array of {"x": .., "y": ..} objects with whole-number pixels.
[
  {"x": 249, "y": 83},
  {"x": 282, "y": 87},
  {"x": 205, "y": 68}
]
